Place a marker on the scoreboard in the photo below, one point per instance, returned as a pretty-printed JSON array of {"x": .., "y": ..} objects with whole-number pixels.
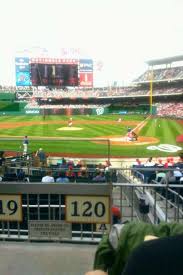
[{"x": 54, "y": 72}]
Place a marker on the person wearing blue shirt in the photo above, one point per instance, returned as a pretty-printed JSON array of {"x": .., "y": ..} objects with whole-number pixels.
[
  {"x": 25, "y": 145},
  {"x": 62, "y": 178}
]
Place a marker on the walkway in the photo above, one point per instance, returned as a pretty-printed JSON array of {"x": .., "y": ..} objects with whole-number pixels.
[{"x": 45, "y": 258}]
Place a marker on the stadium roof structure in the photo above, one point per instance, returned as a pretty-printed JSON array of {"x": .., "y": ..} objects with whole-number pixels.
[{"x": 166, "y": 60}]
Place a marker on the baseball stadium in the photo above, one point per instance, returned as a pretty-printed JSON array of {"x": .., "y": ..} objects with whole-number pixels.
[
  {"x": 103, "y": 119},
  {"x": 77, "y": 160}
]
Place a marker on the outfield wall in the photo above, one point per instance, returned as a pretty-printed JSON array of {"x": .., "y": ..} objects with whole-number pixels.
[
  {"x": 11, "y": 107},
  {"x": 131, "y": 109},
  {"x": 16, "y": 109},
  {"x": 7, "y": 97},
  {"x": 20, "y": 110}
]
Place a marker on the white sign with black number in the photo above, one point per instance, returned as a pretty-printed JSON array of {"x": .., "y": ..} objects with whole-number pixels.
[
  {"x": 88, "y": 209},
  {"x": 11, "y": 208},
  {"x": 49, "y": 230}
]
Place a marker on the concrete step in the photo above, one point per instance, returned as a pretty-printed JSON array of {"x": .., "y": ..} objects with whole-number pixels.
[{"x": 45, "y": 258}]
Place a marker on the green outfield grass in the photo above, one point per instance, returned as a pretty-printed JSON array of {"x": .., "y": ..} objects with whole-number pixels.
[{"x": 165, "y": 130}]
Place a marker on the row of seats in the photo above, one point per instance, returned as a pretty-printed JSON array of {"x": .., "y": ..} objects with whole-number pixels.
[{"x": 38, "y": 174}]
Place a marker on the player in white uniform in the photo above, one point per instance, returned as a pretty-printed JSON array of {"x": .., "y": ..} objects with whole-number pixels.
[{"x": 70, "y": 122}]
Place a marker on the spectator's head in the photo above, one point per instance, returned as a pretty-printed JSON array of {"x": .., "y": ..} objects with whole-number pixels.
[
  {"x": 171, "y": 159},
  {"x": 158, "y": 256},
  {"x": 83, "y": 173},
  {"x": 63, "y": 161},
  {"x": 108, "y": 163},
  {"x": 138, "y": 161},
  {"x": 61, "y": 174},
  {"x": 116, "y": 214},
  {"x": 100, "y": 166},
  {"x": 1, "y": 153},
  {"x": 49, "y": 173}
]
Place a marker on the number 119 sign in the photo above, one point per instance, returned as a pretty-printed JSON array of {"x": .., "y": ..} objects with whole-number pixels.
[
  {"x": 88, "y": 209},
  {"x": 10, "y": 208}
]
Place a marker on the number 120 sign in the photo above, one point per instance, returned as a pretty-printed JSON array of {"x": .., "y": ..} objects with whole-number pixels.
[
  {"x": 88, "y": 209},
  {"x": 10, "y": 208}
]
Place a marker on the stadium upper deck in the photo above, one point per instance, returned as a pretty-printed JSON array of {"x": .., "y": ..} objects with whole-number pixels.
[{"x": 164, "y": 69}]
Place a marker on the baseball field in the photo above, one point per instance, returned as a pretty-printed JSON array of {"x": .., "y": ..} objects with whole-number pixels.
[{"x": 156, "y": 136}]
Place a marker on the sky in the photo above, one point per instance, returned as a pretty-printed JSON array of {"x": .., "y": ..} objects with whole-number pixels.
[{"x": 122, "y": 34}]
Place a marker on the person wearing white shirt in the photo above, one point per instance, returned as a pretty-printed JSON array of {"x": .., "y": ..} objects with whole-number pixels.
[
  {"x": 149, "y": 163},
  {"x": 177, "y": 173},
  {"x": 48, "y": 177}
]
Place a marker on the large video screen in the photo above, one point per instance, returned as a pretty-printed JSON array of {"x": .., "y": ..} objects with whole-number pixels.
[{"x": 54, "y": 74}]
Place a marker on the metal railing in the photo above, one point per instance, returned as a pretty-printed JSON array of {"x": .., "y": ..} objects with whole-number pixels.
[
  {"x": 47, "y": 202},
  {"x": 152, "y": 203}
]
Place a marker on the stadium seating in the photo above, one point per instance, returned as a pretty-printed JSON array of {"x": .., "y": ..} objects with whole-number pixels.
[
  {"x": 32, "y": 96},
  {"x": 162, "y": 74},
  {"x": 173, "y": 109}
]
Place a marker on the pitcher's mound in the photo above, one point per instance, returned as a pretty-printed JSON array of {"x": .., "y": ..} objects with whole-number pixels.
[{"x": 69, "y": 129}]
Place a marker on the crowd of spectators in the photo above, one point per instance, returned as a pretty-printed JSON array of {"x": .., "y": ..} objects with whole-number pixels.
[
  {"x": 63, "y": 171},
  {"x": 43, "y": 92},
  {"x": 110, "y": 92},
  {"x": 172, "y": 109},
  {"x": 162, "y": 74},
  {"x": 165, "y": 172},
  {"x": 167, "y": 90},
  {"x": 13, "y": 89},
  {"x": 27, "y": 93},
  {"x": 147, "y": 175},
  {"x": 60, "y": 93},
  {"x": 72, "y": 175},
  {"x": 117, "y": 92},
  {"x": 69, "y": 170}
]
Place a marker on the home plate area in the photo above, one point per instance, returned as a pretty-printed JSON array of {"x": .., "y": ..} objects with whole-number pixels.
[{"x": 123, "y": 140}]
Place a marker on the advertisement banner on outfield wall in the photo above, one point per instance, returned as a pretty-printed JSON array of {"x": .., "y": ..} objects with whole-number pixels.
[
  {"x": 12, "y": 113},
  {"x": 32, "y": 112},
  {"x": 86, "y": 79},
  {"x": 67, "y": 112},
  {"x": 100, "y": 111},
  {"x": 20, "y": 113},
  {"x": 47, "y": 112}
]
